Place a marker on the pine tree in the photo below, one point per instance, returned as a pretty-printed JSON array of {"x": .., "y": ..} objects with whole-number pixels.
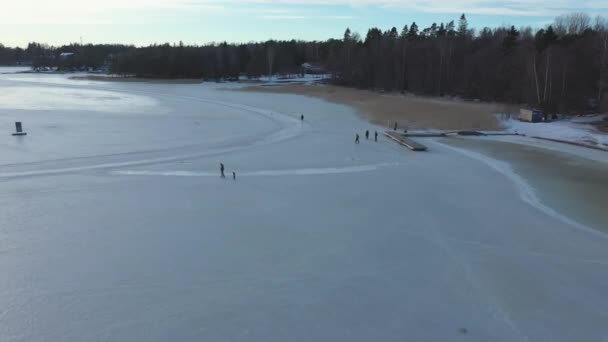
[
  {"x": 412, "y": 34},
  {"x": 450, "y": 29},
  {"x": 550, "y": 36},
  {"x": 510, "y": 40},
  {"x": 347, "y": 35},
  {"x": 404, "y": 31},
  {"x": 544, "y": 38},
  {"x": 392, "y": 35},
  {"x": 433, "y": 30},
  {"x": 441, "y": 31},
  {"x": 463, "y": 27}
]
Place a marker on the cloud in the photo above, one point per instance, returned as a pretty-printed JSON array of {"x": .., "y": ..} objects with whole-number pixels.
[
  {"x": 489, "y": 6},
  {"x": 285, "y": 17},
  {"x": 45, "y": 12},
  {"x": 307, "y": 17},
  {"x": 522, "y": 7}
]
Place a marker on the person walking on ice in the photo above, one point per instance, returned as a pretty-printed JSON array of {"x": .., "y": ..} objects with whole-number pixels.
[
  {"x": 395, "y": 127},
  {"x": 376, "y": 136},
  {"x": 222, "y": 171},
  {"x": 367, "y": 135},
  {"x": 233, "y": 175},
  {"x": 302, "y": 117},
  {"x": 356, "y": 138}
]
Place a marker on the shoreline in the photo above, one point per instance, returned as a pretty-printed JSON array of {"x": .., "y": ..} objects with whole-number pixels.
[
  {"x": 137, "y": 79},
  {"x": 409, "y": 111}
]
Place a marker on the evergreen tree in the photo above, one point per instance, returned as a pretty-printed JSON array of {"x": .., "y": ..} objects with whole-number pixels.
[
  {"x": 510, "y": 40},
  {"x": 347, "y": 35},
  {"x": 392, "y": 35},
  {"x": 441, "y": 31},
  {"x": 450, "y": 29},
  {"x": 412, "y": 34},
  {"x": 404, "y": 32},
  {"x": 550, "y": 37},
  {"x": 463, "y": 27},
  {"x": 433, "y": 30},
  {"x": 544, "y": 38}
]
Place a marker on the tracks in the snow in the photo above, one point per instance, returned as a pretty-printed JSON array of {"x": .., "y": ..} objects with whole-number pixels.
[{"x": 288, "y": 128}]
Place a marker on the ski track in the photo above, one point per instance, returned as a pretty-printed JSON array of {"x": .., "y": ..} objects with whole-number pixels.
[{"x": 262, "y": 173}]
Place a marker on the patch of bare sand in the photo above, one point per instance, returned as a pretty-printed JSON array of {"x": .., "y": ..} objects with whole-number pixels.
[
  {"x": 410, "y": 112},
  {"x": 137, "y": 79}
]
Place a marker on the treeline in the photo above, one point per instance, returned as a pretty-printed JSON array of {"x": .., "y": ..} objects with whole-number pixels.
[
  {"x": 562, "y": 67},
  {"x": 559, "y": 68},
  {"x": 42, "y": 55},
  {"x": 219, "y": 61}
]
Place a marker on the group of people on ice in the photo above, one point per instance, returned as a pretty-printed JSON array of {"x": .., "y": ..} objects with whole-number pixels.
[
  {"x": 366, "y": 136},
  {"x": 357, "y": 141}
]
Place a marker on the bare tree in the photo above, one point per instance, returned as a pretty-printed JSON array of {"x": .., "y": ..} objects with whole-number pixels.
[
  {"x": 603, "y": 75},
  {"x": 572, "y": 23},
  {"x": 534, "y": 68},
  {"x": 270, "y": 55}
]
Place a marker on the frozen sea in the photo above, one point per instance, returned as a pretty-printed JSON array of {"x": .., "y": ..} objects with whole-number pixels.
[{"x": 115, "y": 226}]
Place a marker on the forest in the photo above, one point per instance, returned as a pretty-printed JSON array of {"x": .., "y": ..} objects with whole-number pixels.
[{"x": 562, "y": 67}]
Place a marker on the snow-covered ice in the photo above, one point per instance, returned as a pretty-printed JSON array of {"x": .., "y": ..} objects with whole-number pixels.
[
  {"x": 115, "y": 226},
  {"x": 13, "y": 69},
  {"x": 577, "y": 130}
]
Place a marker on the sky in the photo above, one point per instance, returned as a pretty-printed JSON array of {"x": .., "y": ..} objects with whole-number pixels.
[{"x": 143, "y": 22}]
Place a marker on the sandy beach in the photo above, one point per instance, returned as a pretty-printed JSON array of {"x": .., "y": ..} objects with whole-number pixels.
[{"x": 409, "y": 111}]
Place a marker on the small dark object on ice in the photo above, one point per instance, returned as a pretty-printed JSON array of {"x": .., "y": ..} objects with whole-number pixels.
[
  {"x": 395, "y": 127},
  {"x": 233, "y": 175},
  {"x": 19, "y": 129},
  {"x": 302, "y": 117},
  {"x": 463, "y": 330}
]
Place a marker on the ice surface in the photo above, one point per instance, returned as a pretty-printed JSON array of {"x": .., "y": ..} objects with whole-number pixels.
[
  {"x": 60, "y": 99},
  {"x": 115, "y": 226},
  {"x": 13, "y": 69},
  {"x": 264, "y": 173}
]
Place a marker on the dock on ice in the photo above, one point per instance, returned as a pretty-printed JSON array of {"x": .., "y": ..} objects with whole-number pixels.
[
  {"x": 402, "y": 139},
  {"x": 405, "y": 139}
]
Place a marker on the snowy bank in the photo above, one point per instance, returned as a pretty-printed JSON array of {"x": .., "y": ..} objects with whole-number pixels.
[{"x": 578, "y": 130}]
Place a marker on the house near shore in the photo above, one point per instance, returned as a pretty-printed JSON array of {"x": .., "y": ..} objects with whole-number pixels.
[
  {"x": 64, "y": 56},
  {"x": 531, "y": 115},
  {"x": 311, "y": 69}
]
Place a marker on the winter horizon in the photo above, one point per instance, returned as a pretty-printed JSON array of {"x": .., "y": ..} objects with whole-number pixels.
[{"x": 202, "y": 21}]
